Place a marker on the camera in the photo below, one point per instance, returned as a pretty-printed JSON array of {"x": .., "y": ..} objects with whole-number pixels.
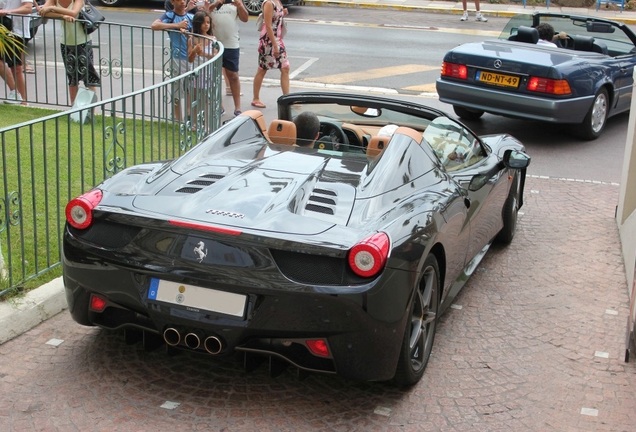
[{"x": 228, "y": 1}]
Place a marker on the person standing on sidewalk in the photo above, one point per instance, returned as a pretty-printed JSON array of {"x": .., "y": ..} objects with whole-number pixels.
[
  {"x": 478, "y": 16},
  {"x": 179, "y": 21},
  {"x": 271, "y": 49},
  {"x": 225, "y": 16},
  {"x": 20, "y": 32},
  {"x": 75, "y": 45}
]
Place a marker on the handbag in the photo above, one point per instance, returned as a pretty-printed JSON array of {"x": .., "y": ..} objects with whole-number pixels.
[
  {"x": 259, "y": 25},
  {"x": 91, "y": 18}
]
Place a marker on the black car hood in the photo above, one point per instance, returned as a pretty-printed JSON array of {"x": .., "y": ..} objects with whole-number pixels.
[{"x": 258, "y": 194}]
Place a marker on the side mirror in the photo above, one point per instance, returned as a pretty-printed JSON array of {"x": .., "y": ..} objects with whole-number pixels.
[
  {"x": 513, "y": 159},
  {"x": 516, "y": 159}
]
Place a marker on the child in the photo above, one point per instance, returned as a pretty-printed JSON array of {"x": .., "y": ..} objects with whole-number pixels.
[{"x": 200, "y": 50}]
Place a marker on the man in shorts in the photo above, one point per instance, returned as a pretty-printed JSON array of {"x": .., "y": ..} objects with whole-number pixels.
[
  {"x": 20, "y": 33},
  {"x": 225, "y": 16},
  {"x": 179, "y": 20}
]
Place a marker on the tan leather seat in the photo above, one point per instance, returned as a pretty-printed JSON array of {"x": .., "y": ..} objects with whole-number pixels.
[
  {"x": 377, "y": 143},
  {"x": 259, "y": 118},
  {"x": 410, "y": 132},
  {"x": 282, "y": 132}
]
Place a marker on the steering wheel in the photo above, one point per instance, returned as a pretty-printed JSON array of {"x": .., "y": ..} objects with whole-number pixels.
[
  {"x": 568, "y": 42},
  {"x": 332, "y": 137}
]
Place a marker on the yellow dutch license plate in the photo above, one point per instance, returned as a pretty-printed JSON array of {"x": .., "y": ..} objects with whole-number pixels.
[{"x": 498, "y": 79}]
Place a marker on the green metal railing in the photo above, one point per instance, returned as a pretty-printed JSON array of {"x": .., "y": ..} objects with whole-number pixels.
[{"x": 49, "y": 160}]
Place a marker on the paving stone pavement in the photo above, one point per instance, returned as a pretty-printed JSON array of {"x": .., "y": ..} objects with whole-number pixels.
[{"x": 535, "y": 342}]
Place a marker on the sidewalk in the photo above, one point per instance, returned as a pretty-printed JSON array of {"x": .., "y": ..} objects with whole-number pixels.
[{"x": 488, "y": 9}]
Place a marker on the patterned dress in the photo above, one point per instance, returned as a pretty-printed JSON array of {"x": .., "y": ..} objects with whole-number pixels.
[{"x": 266, "y": 59}]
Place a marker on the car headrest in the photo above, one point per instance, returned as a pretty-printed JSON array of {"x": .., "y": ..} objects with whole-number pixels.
[
  {"x": 282, "y": 132},
  {"x": 410, "y": 132},
  {"x": 600, "y": 47},
  {"x": 377, "y": 144},
  {"x": 583, "y": 43},
  {"x": 526, "y": 34},
  {"x": 259, "y": 118}
]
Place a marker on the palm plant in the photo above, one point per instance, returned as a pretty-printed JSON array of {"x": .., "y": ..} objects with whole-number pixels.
[{"x": 8, "y": 44}]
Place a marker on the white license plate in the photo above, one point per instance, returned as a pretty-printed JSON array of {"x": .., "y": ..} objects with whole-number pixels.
[{"x": 197, "y": 297}]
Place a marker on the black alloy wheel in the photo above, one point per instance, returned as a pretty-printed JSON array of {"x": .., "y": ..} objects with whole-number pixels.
[{"x": 420, "y": 332}]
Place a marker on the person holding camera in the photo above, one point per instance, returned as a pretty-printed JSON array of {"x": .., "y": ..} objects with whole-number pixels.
[{"x": 225, "y": 17}]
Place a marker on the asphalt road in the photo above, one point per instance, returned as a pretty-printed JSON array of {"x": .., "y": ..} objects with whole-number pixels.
[{"x": 398, "y": 54}]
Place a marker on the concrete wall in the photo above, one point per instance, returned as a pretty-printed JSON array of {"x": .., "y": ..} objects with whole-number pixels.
[{"x": 626, "y": 211}]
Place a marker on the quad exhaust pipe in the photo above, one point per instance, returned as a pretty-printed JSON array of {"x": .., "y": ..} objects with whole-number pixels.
[
  {"x": 212, "y": 344},
  {"x": 172, "y": 336},
  {"x": 192, "y": 340}
]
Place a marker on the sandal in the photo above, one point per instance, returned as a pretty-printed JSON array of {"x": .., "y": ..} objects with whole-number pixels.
[
  {"x": 258, "y": 104},
  {"x": 237, "y": 113}
]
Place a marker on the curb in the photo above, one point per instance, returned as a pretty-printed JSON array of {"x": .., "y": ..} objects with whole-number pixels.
[{"x": 22, "y": 314}]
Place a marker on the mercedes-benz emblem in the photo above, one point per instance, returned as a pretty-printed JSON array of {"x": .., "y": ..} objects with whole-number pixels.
[{"x": 498, "y": 63}]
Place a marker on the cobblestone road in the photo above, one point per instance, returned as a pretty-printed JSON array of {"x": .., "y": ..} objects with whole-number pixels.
[{"x": 535, "y": 342}]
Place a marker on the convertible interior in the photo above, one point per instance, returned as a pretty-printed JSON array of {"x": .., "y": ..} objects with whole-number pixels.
[
  {"x": 573, "y": 42},
  {"x": 455, "y": 146},
  {"x": 572, "y": 33}
]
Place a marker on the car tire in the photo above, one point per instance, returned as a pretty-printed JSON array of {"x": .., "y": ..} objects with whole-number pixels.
[
  {"x": 510, "y": 214},
  {"x": 254, "y": 7},
  {"x": 420, "y": 330},
  {"x": 594, "y": 122},
  {"x": 112, "y": 3},
  {"x": 467, "y": 114}
]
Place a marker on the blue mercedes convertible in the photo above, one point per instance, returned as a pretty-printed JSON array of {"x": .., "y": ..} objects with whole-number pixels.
[{"x": 581, "y": 82}]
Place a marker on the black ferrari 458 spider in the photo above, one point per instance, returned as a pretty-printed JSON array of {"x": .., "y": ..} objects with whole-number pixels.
[{"x": 337, "y": 259}]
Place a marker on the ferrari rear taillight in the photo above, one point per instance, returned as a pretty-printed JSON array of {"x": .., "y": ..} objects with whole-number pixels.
[
  {"x": 318, "y": 347},
  {"x": 97, "y": 303},
  {"x": 550, "y": 86},
  {"x": 454, "y": 70},
  {"x": 368, "y": 257},
  {"x": 79, "y": 211}
]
